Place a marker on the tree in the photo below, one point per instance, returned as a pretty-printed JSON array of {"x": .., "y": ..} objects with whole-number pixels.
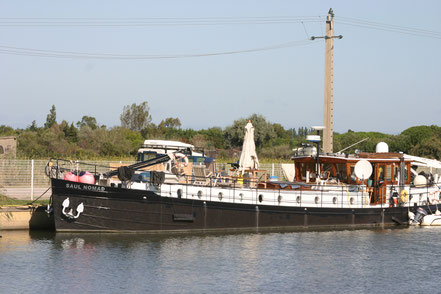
[
  {"x": 136, "y": 117},
  {"x": 430, "y": 148},
  {"x": 280, "y": 131},
  {"x": 51, "y": 118},
  {"x": 263, "y": 131},
  {"x": 88, "y": 121},
  {"x": 214, "y": 135},
  {"x": 6, "y": 131},
  {"x": 70, "y": 132},
  {"x": 419, "y": 134},
  {"x": 170, "y": 123},
  {"x": 33, "y": 127}
]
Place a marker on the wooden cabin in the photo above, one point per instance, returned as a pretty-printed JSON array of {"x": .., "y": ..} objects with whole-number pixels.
[{"x": 341, "y": 170}]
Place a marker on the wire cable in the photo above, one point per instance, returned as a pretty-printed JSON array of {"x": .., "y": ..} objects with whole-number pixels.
[
  {"x": 159, "y": 21},
  {"x": 388, "y": 27},
  {"x": 82, "y": 55},
  {"x": 306, "y": 32}
]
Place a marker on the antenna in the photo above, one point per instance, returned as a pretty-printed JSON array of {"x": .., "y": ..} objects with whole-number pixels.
[{"x": 353, "y": 145}]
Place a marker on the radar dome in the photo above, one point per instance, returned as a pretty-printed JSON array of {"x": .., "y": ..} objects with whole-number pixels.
[
  {"x": 382, "y": 147},
  {"x": 420, "y": 181}
]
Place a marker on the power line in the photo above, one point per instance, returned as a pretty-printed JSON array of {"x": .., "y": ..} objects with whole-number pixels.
[
  {"x": 82, "y": 55},
  {"x": 306, "y": 32},
  {"x": 388, "y": 27},
  {"x": 158, "y": 21},
  {"x": 206, "y": 21}
]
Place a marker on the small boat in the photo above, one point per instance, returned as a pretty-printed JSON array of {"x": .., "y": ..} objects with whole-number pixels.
[{"x": 422, "y": 218}]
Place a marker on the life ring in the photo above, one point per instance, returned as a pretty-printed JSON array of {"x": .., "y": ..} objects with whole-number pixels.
[
  {"x": 404, "y": 196},
  {"x": 182, "y": 156}
]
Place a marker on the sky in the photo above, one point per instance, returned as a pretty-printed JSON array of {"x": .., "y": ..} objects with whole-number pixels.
[{"x": 383, "y": 81}]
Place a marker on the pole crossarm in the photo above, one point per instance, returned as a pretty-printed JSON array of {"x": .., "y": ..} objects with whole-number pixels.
[{"x": 325, "y": 37}]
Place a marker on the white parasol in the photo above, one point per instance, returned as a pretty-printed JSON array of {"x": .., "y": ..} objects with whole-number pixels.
[{"x": 248, "y": 157}]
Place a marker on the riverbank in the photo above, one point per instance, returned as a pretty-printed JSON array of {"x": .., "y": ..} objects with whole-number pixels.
[{"x": 25, "y": 217}]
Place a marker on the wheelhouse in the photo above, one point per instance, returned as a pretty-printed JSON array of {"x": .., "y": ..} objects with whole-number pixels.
[{"x": 386, "y": 169}]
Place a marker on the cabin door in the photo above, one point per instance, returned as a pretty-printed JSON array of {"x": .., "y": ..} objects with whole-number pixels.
[{"x": 379, "y": 185}]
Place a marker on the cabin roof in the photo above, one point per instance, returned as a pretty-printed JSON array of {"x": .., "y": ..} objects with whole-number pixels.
[{"x": 371, "y": 157}]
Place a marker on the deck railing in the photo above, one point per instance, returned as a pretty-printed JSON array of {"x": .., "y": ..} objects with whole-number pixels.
[
  {"x": 27, "y": 179},
  {"x": 328, "y": 195}
]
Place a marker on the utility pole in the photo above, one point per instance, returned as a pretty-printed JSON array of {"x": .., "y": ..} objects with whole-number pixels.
[{"x": 328, "y": 108}]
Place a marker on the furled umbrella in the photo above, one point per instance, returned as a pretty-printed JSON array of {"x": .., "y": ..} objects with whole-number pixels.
[{"x": 248, "y": 158}]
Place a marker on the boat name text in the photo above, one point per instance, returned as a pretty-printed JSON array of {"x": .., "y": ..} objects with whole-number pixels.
[{"x": 85, "y": 187}]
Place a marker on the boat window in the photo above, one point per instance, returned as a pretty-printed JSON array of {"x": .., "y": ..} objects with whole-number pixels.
[
  {"x": 397, "y": 171},
  {"x": 307, "y": 167},
  {"x": 326, "y": 170},
  {"x": 380, "y": 174},
  {"x": 341, "y": 172},
  {"x": 146, "y": 155},
  {"x": 353, "y": 176},
  {"x": 302, "y": 171},
  {"x": 388, "y": 173}
]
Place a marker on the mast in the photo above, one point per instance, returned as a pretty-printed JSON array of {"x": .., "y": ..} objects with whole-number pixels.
[{"x": 328, "y": 107}]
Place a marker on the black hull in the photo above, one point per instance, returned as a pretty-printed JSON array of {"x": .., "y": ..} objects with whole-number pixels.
[{"x": 117, "y": 209}]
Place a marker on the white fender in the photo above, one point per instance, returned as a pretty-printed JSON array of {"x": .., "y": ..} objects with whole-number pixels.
[{"x": 411, "y": 217}]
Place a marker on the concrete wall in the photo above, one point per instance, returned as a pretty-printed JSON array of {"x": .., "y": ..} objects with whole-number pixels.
[{"x": 8, "y": 147}]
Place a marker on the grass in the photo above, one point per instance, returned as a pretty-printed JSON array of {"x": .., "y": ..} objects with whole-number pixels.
[{"x": 7, "y": 201}]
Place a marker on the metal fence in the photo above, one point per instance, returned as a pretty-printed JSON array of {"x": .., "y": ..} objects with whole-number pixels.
[{"x": 26, "y": 179}]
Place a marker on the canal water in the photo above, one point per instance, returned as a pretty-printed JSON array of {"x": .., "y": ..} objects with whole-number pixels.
[{"x": 405, "y": 260}]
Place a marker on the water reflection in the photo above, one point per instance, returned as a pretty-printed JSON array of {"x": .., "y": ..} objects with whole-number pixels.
[{"x": 312, "y": 261}]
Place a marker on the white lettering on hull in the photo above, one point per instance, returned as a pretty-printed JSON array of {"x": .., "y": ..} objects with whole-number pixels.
[{"x": 85, "y": 187}]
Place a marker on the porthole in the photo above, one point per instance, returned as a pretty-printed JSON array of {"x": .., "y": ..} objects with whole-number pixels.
[
  {"x": 279, "y": 199},
  {"x": 352, "y": 200},
  {"x": 199, "y": 194},
  {"x": 334, "y": 200},
  {"x": 179, "y": 193},
  {"x": 220, "y": 195},
  {"x": 299, "y": 199},
  {"x": 316, "y": 199},
  {"x": 241, "y": 196},
  {"x": 260, "y": 198}
]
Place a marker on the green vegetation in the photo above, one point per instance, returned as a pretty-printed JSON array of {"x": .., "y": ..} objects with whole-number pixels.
[
  {"x": 6, "y": 201},
  {"x": 87, "y": 139}
]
